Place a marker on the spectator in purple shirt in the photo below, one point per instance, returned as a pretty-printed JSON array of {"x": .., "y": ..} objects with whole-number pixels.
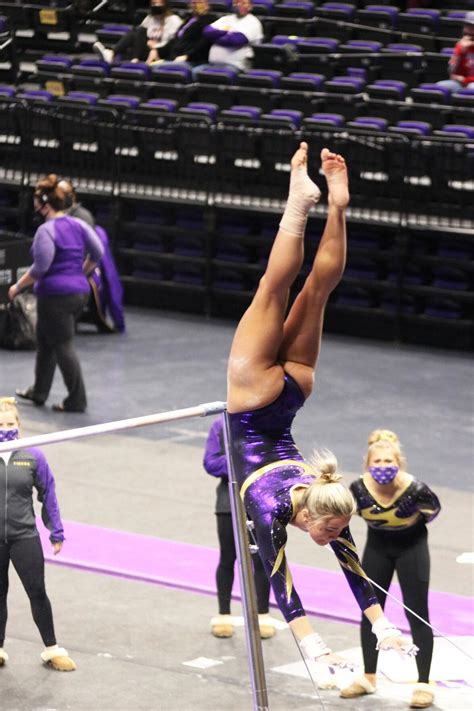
[
  {"x": 21, "y": 471},
  {"x": 65, "y": 250}
]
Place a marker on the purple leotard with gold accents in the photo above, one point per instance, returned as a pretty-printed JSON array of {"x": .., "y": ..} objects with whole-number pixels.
[{"x": 269, "y": 468}]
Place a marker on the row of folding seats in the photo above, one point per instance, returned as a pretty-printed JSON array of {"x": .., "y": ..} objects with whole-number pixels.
[
  {"x": 349, "y": 94},
  {"x": 148, "y": 113},
  {"x": 304, "y": 94},
  {"x": 89, "y": 73}
]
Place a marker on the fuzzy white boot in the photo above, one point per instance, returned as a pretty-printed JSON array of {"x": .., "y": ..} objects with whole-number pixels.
[
  {"x": 58, "y": 658},
  {"x": 423, "y": 696}
]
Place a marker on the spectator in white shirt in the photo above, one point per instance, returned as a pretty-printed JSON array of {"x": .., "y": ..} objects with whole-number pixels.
[{"x": 233, "y": 36}]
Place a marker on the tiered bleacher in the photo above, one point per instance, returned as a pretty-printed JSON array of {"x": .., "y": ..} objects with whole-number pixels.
[{"x": 188, "y": 174}]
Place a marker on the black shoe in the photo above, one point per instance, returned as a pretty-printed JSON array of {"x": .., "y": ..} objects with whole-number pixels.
[
  {"x": 59, "y": 407},
  {"x": 28, "y": 394}
]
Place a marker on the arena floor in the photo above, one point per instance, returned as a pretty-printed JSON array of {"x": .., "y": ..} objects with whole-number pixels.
[{"x": 131, "y": 598}]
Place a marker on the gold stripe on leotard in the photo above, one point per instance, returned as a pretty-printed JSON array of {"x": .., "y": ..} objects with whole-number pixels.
[
  {"x": 389, "y": 518},
  {"x": 288, "y": 577},
  {"x": 350, "y": 563},
  {"x": 307, "y": 469}
]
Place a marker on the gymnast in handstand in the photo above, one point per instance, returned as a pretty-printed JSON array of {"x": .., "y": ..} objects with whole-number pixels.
[{"x": 270, "y": 375}]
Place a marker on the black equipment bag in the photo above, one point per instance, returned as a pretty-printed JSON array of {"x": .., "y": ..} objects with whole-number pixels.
[{"x": 18, "y": 323}]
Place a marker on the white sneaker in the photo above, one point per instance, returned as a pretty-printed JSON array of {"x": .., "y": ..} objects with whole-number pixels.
[{"x": 106, "y": 54}]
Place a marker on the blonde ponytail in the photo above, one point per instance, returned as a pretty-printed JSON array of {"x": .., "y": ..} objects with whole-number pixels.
[{"x": 327, "y": 496}]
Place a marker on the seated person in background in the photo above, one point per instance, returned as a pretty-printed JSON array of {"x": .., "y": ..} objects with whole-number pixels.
[
  {"x": 189, "y": 43},
  {"x": 141, "y": 43},
  {"x": 232, "y": 37},
  {"x": 461, "y": 64},
  {"x": 72, "y": 205}
]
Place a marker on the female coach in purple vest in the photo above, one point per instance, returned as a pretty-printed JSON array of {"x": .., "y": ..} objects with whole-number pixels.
[{"x": 65, "y": 250}]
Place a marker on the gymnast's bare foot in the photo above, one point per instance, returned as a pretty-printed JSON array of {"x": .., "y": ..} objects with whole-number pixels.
[
  {"x": 300, "y": 182},
  {"x": 335, "y": 170}
]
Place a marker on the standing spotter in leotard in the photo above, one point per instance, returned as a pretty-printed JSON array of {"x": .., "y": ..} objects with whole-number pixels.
[
  {"x": 396, "y": 508},
  {"x": 270, "y": 375}
]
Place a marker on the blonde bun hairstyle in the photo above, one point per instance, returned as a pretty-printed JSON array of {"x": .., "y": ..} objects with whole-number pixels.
[
  {"x": 385, "y": 439},
  {"x": 379, "y": 435},
  {"x": 7, "y": 404},
  {"x": 327, "y": 496}
]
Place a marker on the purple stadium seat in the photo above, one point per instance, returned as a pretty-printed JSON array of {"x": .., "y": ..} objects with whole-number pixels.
[
  {"x": 403, "y": 47},
  {"x": 132, "y": 70},
  {"x": 390, "y": 10},
  {"x": 201, "y": 107},
  {"x": 54, "y": 62},
  {"x": 269, "y": 78},
  {"x": 420, "y": 128},
  {"x": 345, "y": 85},
  {"x": 303, "y": 81},
  {"x": 252, "y": 112},
  {"x": 430, "y": 93},
  {"x": 281, "y": 40},
  {"x": 317, "y": 45},
  {"x": 217, "y": 75},
  {"x": 124, "y": 101},
  {"x": 6, "y": 90},
  {"x": 91, "y": 67},
  {"x": 36, "y": 95},
  {"x": 373, "y": 123},
  {"x": 263, "y": 7},
  {"x": 387, "y": 89},
  {"x": 339, "y": 8},
  {"x": 286, "y": 116},
  {"x": 160, "y": 105},
  {"x": 82, "y": 97},
  {"x": 456, "y": 130},
  {"x": 174, "y": 73},
  {"x": 294, "y": 8},
  {"x": 327, "y": 119},
  {"x": 365, "y": 45}
]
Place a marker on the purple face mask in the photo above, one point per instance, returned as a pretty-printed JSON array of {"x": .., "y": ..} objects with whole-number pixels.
[
  {"x": 383, "y": 475},
  {"x": 8, "y": 435}
]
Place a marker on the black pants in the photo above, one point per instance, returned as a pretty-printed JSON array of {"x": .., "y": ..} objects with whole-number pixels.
[
  {"x": 27, "y": 557},
  {"x": 225, "y": 569},
  {"x": 55, "y": 329},
  {"x": 407, "y": 554},
  {"x": 133, "y": 45}
]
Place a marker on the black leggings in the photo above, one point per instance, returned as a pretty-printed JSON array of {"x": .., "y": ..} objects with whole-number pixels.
[
  {"x": 133, "y": 45},
  {"x": 407, "y": 554},
  {"x": 225, "y": 569},
  {"x": 57, "y": 316},
  {"x": 27, "y": 557}
]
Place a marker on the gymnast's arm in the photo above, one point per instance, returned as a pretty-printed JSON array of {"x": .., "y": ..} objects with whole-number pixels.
[{"x": 388, "y": 636}]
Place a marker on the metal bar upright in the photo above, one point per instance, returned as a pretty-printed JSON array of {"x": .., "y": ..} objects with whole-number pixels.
[{"x": 247, "y": 585}]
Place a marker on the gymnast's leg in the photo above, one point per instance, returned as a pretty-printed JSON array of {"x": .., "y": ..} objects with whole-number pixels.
[{"x": 255, "y": 376}]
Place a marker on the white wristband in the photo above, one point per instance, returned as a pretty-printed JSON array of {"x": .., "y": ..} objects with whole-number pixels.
[
  {"x": 383, "y": 629},
  {"x": 313, "y": 646}
]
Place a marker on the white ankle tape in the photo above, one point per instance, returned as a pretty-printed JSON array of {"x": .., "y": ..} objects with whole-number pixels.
[
  {"x": 302, "y": 196},
  {"x": 313, "y": 646}
]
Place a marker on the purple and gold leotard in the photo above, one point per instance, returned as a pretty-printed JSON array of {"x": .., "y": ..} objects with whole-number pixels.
[
  {"x": 415, "y": 505},
  {"x": 269, "y": 468}
]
